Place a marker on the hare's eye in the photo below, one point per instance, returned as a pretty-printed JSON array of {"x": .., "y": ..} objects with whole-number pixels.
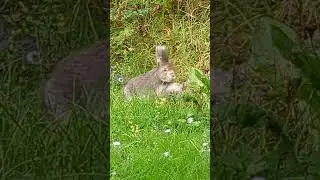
[{"x": 165, "y": 69}]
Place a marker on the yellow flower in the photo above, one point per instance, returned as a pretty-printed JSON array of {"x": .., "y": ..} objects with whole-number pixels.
[
  {"x": 163, "y": 99},
  {"x": 135, "y": 128}
]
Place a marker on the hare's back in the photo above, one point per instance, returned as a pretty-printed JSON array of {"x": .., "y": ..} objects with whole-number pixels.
[
  {"x": 88, "y": 65},
  {"x": 148, "y": 79}
]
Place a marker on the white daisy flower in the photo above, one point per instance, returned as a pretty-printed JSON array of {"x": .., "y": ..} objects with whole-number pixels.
[
  {"x": 116, "y": 143},
  {"x": 205, "y": 144},
  {"x": 190, "y": 120},
  {"x": 120, "y": 79},
  {"x": 166, "y": 154}
]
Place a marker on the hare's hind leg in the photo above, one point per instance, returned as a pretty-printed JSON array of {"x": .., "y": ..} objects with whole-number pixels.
[{"x": 174, "y": 88}]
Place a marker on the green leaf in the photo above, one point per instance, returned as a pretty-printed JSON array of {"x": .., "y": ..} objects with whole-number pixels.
[
  {"x": 198, "y": 78},
  {"x": 306, "y": 62},
  {"x": 282, "y": 42},
  {"x": 263, "y": 48},
  {"x": 268, "y": 36}
]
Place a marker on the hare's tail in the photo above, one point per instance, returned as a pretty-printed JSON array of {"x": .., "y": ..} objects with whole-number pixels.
[{"x": 162, "y": 54}]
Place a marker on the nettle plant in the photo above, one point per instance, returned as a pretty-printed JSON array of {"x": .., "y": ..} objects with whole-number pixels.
[
  {"x": 199, "y": 88},
  {"x": 275, "y": 44},
  {"x": 299, "y": 61}
]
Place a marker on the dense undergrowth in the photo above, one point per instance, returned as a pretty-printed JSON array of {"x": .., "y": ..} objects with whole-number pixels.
[{"x": 271, "y": 128}]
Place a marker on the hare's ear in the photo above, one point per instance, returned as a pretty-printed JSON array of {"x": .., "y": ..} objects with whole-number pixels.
[{"x": 162, "y": 54}]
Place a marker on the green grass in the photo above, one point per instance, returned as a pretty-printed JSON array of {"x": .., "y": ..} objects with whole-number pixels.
[
  {"x": 140, "y": 125},
  {"x": 134, "y": 38},
  {"x": 33, "y": 147},
  {"x": 247, "y": 145}
]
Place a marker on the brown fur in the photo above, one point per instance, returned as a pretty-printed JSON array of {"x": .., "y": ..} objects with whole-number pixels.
[
  {"x": 156, "y": 81},
  {"x": 80, "y": 71}
]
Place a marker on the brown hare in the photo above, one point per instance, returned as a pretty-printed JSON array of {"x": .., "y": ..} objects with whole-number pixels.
[
  {"x": 78, "y": 73},
  {"x": 159, "y": 81}
]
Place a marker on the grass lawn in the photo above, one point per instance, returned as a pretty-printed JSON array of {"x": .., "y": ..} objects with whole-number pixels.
[{"x": 159, "y": 139}]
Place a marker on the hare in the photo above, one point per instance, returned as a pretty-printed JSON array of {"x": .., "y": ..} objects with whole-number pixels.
[
  {"x": 159, "y": 81},
  {"x": 73, "y": 77}
]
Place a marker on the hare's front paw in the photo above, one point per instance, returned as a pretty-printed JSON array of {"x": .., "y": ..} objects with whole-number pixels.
[{"x": 170, "y": 89}]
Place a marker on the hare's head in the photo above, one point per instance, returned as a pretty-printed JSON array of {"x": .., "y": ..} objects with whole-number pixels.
[{"x": 166, "y": 73}]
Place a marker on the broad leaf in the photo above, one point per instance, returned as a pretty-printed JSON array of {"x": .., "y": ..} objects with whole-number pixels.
[{"x": 198, "y": 78}]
